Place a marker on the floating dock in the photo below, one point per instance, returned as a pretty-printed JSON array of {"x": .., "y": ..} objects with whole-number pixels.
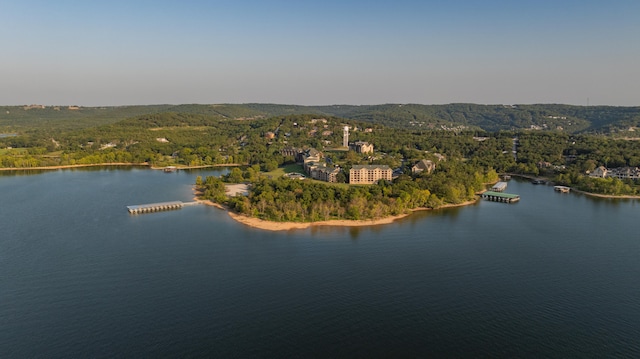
[
  {"x": 155, "y": 207},
  {"x": 500, "y": 197},
  {"x": 499, "y": 187}
]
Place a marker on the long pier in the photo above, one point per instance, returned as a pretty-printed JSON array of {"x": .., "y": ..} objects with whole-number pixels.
[
  {"x": 501, "y": 197},
  {"x": 156, "y": 207}
]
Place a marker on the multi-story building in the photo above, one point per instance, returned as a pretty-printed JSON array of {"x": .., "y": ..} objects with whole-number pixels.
[
  {"x": 322, "y": 172},
  {"x": 632, "y": 173},
  {"x": 308, "y": 155},
  {"x": 361, "y": 147},
  {"x": 290, "y": 151},
  {"x": 369, "y": 173}
]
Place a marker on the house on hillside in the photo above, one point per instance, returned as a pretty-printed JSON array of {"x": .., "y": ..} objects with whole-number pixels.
[
  {"x": 422, "y": 166},
  {"x": 600, "y": 172}
]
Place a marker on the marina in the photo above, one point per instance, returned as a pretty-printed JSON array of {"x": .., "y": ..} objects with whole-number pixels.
[
  {"x": 500, "y": 197},
  {"x": 156, "y": 207}
]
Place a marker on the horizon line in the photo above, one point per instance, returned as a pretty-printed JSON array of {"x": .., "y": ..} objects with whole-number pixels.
[{"x": 324, "y": 105}]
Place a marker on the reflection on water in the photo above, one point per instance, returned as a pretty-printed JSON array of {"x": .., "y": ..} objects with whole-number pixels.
[{"x": 551, "y": 276}]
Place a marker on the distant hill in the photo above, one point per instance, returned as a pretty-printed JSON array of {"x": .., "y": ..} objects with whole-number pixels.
[
  {"x": 565, "y": 118},
  {"x": 25, "y": 118},
  {"x": 553, "y": 117}
]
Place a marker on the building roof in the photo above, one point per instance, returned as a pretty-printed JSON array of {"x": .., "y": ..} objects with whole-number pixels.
[
  {"x": 423, "y": 164},
  {"x": 370, "y": 167},
  {"x": 500, "y": 194}
]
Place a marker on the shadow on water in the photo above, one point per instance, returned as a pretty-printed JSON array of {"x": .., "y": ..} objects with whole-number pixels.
[
  {"x": 331, "y": 232},
  {"x": 602, "y": 201},
  {"x": 450, "y": 213},
  {"x": 12, "y": 173},
  {"x": 116, "y": 168},
  {"x": 416, "y": 218},
  {"x": 30, "y": 172}
]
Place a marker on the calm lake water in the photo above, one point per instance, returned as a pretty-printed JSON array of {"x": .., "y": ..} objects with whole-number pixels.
[{"x": 555, "y": 275}]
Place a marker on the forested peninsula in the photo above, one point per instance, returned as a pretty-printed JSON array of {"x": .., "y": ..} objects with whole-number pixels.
[{"x": 282, "y": 199}]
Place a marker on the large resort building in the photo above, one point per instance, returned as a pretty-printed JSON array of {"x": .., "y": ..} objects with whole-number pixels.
[
  {"x": 368, "y": 174},
  {"x": 315, "y": 167}
]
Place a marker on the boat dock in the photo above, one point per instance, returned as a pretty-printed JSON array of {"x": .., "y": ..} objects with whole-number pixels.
[
  {"x": 156, "y": 207},
  {"x": 499, "y": 187},
  {"x": 501, "y": 197},
  {"x": 562, "y": 189}
]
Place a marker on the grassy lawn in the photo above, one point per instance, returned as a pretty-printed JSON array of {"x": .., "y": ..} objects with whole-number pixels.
[
  {"x": 13, "y": 151},
  {"x": 343, "y": 185},
  {"x": 281, "y": 171}
]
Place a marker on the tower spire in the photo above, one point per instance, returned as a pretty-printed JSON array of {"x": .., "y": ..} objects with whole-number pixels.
[{"x": 345, "y": 136}]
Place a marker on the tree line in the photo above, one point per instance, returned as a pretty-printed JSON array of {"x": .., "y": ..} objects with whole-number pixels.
[{"x": 284, "y": 199}]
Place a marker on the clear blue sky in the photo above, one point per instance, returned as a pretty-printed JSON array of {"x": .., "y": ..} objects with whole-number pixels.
[{"x": 319, "y": 52}]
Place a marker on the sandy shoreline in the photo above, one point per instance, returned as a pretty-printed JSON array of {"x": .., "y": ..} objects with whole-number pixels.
[
  {"x": 604, "y": 195},
  {"x": 286, "y": 226}
]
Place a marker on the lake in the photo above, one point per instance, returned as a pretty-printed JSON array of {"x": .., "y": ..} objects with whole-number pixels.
[{"x": 554, "y": 275}]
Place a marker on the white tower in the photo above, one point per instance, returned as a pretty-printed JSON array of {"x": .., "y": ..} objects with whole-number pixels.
[{"x": 345, "y": 136}]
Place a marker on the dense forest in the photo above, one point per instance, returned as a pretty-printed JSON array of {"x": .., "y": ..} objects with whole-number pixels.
[
  {"x": 283, "y": 199},
  {"x": 611, "y": 120},
  {"x": 250, "y": 135}
]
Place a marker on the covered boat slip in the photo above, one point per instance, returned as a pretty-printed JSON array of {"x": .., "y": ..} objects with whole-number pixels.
[
  {"x": 154, "y": 207},
  {"x": 500, "y": 197},
  {"x": 499, "y": 187}
]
